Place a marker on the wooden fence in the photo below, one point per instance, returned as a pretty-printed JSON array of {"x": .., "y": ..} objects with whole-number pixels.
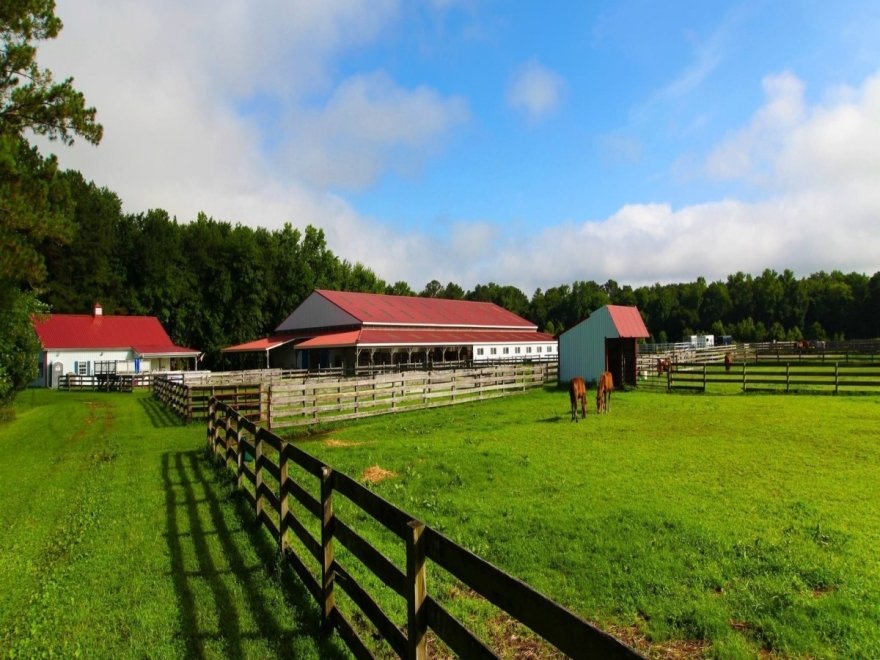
[
  {"x": 191, "y": 401},
  {"x": 105, "y": 382},
  {"x": 314, "y": 401},
  {"x": 808, "y": 376},
  {"x": 317, "y": 398},
  {"x": 271, "y": 487}
]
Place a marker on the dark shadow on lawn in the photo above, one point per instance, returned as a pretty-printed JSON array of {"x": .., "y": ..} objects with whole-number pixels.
[
  {"x": 202, "y": 513},
  {"x": 160, "y": 416}
]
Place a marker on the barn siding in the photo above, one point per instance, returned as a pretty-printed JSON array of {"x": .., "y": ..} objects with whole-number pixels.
[
  {"x": 316, "y": 312},
  {"x": 582, "y": 348}
]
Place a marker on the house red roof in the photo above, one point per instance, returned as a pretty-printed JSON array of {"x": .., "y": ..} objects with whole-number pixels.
[
  {"x": 381, "y": 309},
  {"x": 628, "y": 322},
  {"x": 144, "y": 334}
]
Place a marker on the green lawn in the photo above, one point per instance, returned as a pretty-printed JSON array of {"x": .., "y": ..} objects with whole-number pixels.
[
  {"x": 726, "y": 526},
  {"x": 718, "y": 525},
  {"x": 119, "y": 540}
]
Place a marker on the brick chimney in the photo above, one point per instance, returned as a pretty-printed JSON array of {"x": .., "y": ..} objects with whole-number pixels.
[{"x": 99, "y": 311}]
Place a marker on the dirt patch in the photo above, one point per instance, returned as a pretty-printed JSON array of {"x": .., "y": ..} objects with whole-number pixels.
[
  {"x": 511, "y": 639},
  {"x": 374, "y": 474},
  {"x": 670, "y": 650},
  {"x": 333, "y": 442}
]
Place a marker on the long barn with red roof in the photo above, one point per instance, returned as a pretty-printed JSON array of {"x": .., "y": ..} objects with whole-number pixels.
[{"x": 345, "y": 329}]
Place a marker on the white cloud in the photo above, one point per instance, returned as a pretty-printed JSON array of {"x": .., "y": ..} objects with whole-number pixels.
[
  {"x": 749, "y": 152},
  {"x": 535, "y": 90},
  {"x": 367, "y": 123},
  {"x": 170, "y": 81},
  {"x": 816, "y": 166}
]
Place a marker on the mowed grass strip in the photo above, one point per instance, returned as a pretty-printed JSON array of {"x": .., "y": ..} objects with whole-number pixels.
[
  {"x": 726, "y": 526},
  {"x": 120, "y": 540}
]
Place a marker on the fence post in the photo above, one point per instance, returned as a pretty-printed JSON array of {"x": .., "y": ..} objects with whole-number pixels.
[
  {"x": 704, "y": 378},
  {"x": 416, "y": 592},
  {"x": 212, "y": 408},
  {"x": 744, "y": 376},
  {"x": 836, "y": 376},
  {"x": 258, "y": 472},
  {"x": 327, "y": 575},
  {"x": 787, "y": 376},
  {"x": 284, "y": 507}
]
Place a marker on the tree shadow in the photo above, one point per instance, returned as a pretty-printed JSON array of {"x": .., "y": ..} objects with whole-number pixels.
[
  {"x": 159, "y": 415},
  {"x": 224, "y": 601}
]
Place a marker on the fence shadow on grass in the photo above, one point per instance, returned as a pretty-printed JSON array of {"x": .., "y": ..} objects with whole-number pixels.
[
  {"x": 159, "y": 415},
  {"x": 224, "y": 568}
]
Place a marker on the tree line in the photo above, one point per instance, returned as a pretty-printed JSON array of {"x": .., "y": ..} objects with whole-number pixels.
[
  {"x": 65, "y": 244},
  {"x": 214, "y": 284}
]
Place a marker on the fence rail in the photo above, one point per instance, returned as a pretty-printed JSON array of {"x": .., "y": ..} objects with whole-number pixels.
[
  {"x": 315, "y": 398},
  {"x": 108, "y": 382},
  {"x": 775, "y": 376},
  {"x": 270, "y": 486}
]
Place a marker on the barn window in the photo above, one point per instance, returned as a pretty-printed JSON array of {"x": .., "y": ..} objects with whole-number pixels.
[
  {"x": 479, "y": 351},
  {"x": 539, "y": 349},
  {"x": 494, "y": 351},
  {"x": 528, "y": 349},
  {"x": 506, "y": 350},
  {"x": 518, "y": 349},
  {"x": 549, "y": 349},
  {"x": 82, "y": 368}
]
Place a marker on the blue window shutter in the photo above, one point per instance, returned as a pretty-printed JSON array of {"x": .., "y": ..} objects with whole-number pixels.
[{"x": 75, "y": 367}]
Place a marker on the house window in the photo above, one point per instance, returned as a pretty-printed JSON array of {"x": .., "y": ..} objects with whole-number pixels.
[
  {"x": 479, "y": 351},
  {"x": 82, "y": 368}
]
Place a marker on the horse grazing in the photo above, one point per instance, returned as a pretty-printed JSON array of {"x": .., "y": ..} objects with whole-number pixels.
[
  {"x": 662, "y": 366},
  {"x": 577, "y": 391},
  {"x": 604, "y": 388},
  {"x": 728, "y": 361}
]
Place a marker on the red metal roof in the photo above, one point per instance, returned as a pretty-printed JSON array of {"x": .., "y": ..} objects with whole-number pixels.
[
  {"x": 380, "y": 309},
  {"x": 265, "y": 344},
  {"x": 628, "y": 322},
  {"x": 143, "y": 334},
  {"x": 370, "y": 337}
]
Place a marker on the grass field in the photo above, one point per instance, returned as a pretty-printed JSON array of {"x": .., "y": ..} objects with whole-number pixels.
[
  {"x": 119, "y": 540},
  {"x": 727, "y": 526}
]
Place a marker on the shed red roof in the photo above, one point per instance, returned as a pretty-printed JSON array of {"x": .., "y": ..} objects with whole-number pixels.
[
  {"x": 628, "y": 322},
  {"x": 381, "y": 309},
  {"x": 144, "y": 334},
  {"x": 265, "y": 344}
]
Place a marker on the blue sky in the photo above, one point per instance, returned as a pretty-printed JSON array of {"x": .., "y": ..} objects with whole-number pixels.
[{"x": 523, "y": 143}]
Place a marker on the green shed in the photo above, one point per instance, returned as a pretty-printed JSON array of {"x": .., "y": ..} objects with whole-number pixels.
[{"x": 607, "y": 340}]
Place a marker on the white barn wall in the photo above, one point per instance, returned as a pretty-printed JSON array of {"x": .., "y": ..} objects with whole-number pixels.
[
  {"x": 524, "y": 351},
  {"x": 69, "y": 359}
]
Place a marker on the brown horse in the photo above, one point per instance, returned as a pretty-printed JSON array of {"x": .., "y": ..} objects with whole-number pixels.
[
  {"x": 604, "y": 388},
  {"x": 577, "y": 391},
  {"x": 728, "y": 361},
  {"x": 662, "y": 366}
]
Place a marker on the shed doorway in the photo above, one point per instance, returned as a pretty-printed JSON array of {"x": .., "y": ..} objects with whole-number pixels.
[{"x": 620, "y": 360}]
